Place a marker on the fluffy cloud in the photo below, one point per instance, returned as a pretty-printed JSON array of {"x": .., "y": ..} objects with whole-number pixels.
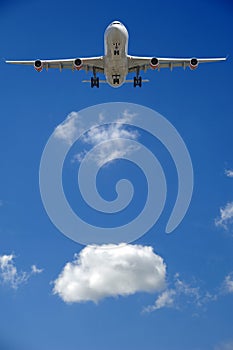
[
  {"x": 110, "y": 271},
  {"x": 10, "y": 275},
  {"x": 226, "y": 216}
]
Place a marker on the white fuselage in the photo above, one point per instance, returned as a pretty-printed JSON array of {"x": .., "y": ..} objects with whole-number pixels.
[{"x": 116, "y": 51}]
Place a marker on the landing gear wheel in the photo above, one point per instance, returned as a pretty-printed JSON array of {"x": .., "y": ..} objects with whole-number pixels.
[
  {"x": 95, "y": 82},
  {"x": 137, "y": 81},
  {"x": 140, "y": 81}
]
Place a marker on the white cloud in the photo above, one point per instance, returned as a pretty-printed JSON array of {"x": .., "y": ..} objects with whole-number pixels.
[
  {"x": 186, "y": 289},
  {"x": 229, "y": 173},
  {"x": 228, "y": 345},
  {"x": 35, "y": 270},
  {"x": 181, "y": 295},
  {"x": 98, "y": 135},
  {"x": 67, "y": 130},
  {"x": 127, "y": 117},
  {"x": 228, "y": 283},
  {"x": 108, "y": 151},
  {"x": 226, "y": 216},
  {"x": 9, "y": 274},
  {"x": 165, "y": 299},
  {"x": 110, "y": 271}
]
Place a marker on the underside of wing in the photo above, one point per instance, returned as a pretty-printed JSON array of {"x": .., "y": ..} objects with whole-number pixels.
[
  {"x": 87, "y": 64},
  {"x": 136, "y": 63}
]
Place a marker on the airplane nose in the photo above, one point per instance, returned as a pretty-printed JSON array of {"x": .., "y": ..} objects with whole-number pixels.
[{"x": 114, "y": 28}]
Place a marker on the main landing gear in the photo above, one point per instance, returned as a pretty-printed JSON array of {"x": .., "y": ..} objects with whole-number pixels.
[
  {"x": 137, "y": 80},
  {"x": 95, "y": 80}
]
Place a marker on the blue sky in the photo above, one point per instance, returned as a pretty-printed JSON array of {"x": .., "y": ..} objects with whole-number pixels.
[{"x": 188, "y": 303}]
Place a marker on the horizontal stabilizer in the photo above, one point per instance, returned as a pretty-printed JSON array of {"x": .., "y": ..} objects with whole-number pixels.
[
  {"x": 100, "y": 81},
  {"x": 126, "y": 81},
  {"x": 132, "y": 81}
]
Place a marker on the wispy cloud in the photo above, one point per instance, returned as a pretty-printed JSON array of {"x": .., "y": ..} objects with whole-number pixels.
[
  {"x": 9, "y": 275},
  {"x": 228, "y": 283},
  {"x": 67, "y": 130},
  {"x": 180, "y": 295},
  {"x": 99, "y": 134},
  {"x": 229, "y": 173},
  {"x": 108, "y": 151},
  {"x": 225, "y": 219},
  {"x": 35, "y": 270},
  {"x": 165, "y": 299},
  {"x": 110, "y": 271},
  {"x": 226, "y": 345},
  {"x": 117, "y": 131}
]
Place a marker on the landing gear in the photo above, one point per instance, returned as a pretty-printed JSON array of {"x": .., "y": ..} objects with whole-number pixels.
[
  {"x": 116, "y": 79},
  {"x": 137, "y": 80},
  {"x": 95, "y": 80},
  {"x": 116, "y": 49}
]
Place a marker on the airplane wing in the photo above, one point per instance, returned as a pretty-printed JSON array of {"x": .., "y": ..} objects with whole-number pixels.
[
  {"x": 90, "y": 63},
  {"x": 143, "y": 63}
]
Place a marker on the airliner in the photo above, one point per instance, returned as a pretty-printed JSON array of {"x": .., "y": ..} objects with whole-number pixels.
[{"x": 116, "y": 63}]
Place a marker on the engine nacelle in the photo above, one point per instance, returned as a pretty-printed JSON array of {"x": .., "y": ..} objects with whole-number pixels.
[
  {"x": 193, "y": 63},
  {"x": 154, "y": 63},
  {"x": 38, "y": 65},
  {"x": 78, "y": 64}
]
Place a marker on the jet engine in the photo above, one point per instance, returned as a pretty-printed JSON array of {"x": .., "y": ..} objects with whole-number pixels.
[
  {"x": 193, "y": 63},
  {"x": 78, "y": 64},
  {"x": 154, "y": 63},
  {"x": 38, "y": 65}
]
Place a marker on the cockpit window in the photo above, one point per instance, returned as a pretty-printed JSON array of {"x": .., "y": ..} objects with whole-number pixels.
[{"x": 116, "y": 22}]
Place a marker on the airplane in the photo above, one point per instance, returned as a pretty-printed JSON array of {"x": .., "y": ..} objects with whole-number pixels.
[{"x": 116, "y": 63}]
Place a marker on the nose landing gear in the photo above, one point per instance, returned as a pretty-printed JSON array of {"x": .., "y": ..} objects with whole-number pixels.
[
  {"x": 116, "y": 49},
  {"x": 116, "y": 79}
]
